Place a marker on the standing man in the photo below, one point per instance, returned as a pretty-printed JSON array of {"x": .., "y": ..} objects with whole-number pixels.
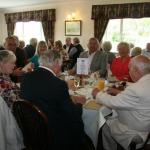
[
  {"x": 68, "y": 45},
  {"x": 75, "y": 51}
]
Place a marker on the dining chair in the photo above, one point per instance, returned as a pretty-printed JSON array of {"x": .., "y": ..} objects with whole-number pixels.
[{"x": 33, "y": 124}]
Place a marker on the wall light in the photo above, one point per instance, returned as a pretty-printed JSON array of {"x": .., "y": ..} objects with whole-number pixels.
[{"x": 71, "y": 16}]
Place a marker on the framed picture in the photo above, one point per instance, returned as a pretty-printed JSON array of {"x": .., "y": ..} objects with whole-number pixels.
[{"x": 73, "y": 28}]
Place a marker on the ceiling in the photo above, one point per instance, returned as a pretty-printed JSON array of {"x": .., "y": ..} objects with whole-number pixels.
[{"x": 16, "y": 3}]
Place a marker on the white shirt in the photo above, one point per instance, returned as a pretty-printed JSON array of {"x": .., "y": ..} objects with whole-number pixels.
[{"x": 48, "y": 69}]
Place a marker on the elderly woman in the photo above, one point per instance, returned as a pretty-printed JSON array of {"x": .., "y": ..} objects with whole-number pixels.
[
  {"x": 8, "y": 89},
  {"x": 136, "y": 51},
  {"x": 119, "y": 66},
  {"x": 41, "y": 48},
  {"x": 59, "y": 47},
  {"x": 107, "y": 46}
]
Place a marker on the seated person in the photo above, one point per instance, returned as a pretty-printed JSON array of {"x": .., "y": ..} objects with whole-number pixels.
[
  {"x": 136, "y": 51},
  {"x": 59, "y": 47},
  {"x": 96, "y": 58},
  {"x": 41, "y": 48},
  {"x": 10, "y": 134},
  {"x": 132, "y": 121},
  {"x": 50, "y": 94},
  {"x": 107, "y": 46},
  {"x": 8, "y": 89},
  {"x": 119, "y": 66},
  {"x": 146, "y": 51},
  {"x": 11, "y": 44}
]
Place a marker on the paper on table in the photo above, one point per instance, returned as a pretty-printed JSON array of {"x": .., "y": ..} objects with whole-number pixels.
[
  {"x": 82, "y": 66},
  {"x": 27, "y": 67}
]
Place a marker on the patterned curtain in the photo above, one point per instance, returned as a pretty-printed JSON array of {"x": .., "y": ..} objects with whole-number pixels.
[
  {"x": 48, "y": 28},
  {"x": 10, "y": 28},
  {"x": 102, "y": 13},
  {"x": 47, "y": 17}
]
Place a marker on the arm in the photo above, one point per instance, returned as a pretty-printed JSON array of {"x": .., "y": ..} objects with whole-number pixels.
[
  {"x": 126, "y": 100},
  {"x": 103, "y": 65}
]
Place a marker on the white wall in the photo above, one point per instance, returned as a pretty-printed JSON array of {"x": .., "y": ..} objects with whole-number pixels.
[{"x": 82, "y": 8}]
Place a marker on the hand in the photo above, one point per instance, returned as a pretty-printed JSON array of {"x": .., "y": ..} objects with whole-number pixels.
[
  {"x": 79, "y": 99},
  {"x": 18, "y": 72},
  {"x": 95, "y": 92},
  {"x": 113, "y": 91}
]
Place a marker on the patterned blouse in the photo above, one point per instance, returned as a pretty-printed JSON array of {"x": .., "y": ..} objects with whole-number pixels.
[{"x": 8, "y": 90}]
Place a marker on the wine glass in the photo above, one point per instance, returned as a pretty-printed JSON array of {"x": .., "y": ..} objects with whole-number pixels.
[{"x": 76, "y": 82}]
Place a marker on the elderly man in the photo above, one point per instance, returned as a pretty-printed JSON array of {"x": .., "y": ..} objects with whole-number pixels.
[
  {"x": 146, "y": 52},
  {"x": 31, "y": 48},
  {"x": 96, "y": 58},
  {"x": 68, "y": 45},
  {"x": 132, "y": 107},
  {"x": 43, "y": 88},
  {"x": 75, "y": 51},
  {"x": 11, "y": 44}
]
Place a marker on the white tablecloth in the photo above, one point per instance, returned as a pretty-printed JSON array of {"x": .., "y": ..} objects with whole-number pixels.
[{"x": 93, "y": 121}]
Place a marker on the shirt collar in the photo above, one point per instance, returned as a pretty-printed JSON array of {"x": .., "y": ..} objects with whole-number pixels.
[
  {"x": 48, "y": 69},
  {"x": 91, "y": 54}
]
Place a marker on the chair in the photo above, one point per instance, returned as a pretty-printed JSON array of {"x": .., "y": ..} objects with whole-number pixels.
[{"x": 34, "y": 126}]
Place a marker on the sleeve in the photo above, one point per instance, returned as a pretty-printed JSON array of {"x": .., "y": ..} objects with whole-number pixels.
[
  {"x": 72, "y": 51},
  {"x": 73, "y": 110},
  {"x": 103, "y": 66},
  {"x": 126, "y": 100}
]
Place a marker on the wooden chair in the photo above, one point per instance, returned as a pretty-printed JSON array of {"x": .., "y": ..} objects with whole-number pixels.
[{"x": 34, "y": 126}]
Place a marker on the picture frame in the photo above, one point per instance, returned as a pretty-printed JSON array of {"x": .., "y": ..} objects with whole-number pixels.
[{"x": 73, "y": 28}]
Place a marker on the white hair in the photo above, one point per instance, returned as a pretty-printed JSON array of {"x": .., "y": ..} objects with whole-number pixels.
[
  {"x": 136, "y": 51},
  {"x": 49, "y": 57},
  {"x": 142, "y": 63}
]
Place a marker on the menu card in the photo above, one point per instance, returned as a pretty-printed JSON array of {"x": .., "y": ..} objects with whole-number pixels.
[{"x": 82, "y": 66}]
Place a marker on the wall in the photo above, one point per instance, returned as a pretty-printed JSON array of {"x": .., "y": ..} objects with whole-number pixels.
[{"x": 82, "y": 8}]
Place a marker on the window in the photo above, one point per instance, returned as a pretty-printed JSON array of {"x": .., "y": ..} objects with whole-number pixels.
[
  {"x": 27, "y": 30},
  {"x": 134, "y": 31}
]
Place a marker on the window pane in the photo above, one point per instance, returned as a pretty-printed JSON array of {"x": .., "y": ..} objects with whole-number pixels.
[
  {"x": 112, "y": 33},
  {"x": 27, "y": 30},
  {"x": 134, "y": 31}
]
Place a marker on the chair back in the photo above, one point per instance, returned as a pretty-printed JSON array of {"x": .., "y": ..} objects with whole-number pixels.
[{"x": 33, "y": 124}]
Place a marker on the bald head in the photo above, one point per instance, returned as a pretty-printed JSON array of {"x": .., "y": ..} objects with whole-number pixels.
[{"x": 139, "y": 66}]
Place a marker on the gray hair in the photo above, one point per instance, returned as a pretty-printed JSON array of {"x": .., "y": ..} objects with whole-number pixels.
[
  {"x": 136, "y": 51},
  {"x": 33, "y": 42},
  {"x": 142, "y": 63},
  {"x": 6, "y": 56},
  {"x": 107, "y": 46},
  {"x": 76, "y": 40},
  {"x": 49, "y": 57}
]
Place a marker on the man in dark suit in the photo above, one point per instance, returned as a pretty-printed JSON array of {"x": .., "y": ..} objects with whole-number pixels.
[
  {"x": 68, "y": 45},
  {"x": 44, "y": 89}
]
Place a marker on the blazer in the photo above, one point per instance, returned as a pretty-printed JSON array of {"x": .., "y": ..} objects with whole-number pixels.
[
  {"x": 133, "y": 111},
  {"x": 99, "y": 62},
  {"x": 51, "y": 95}
]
